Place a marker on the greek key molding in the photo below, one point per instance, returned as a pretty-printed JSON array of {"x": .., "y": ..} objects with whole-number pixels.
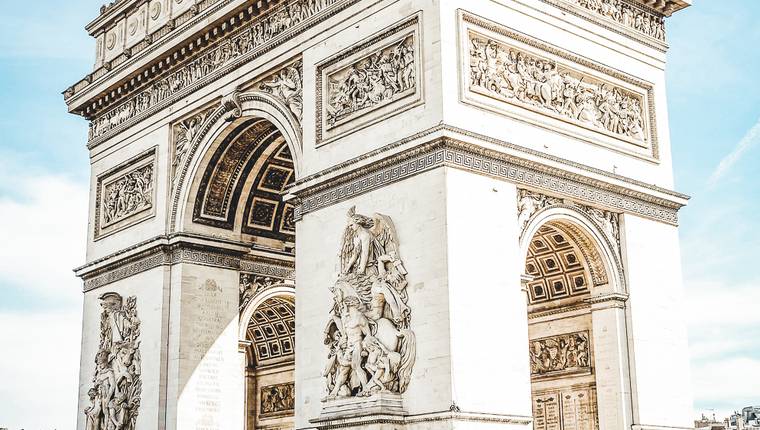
[
  {"x": 223, "y": 56},
  {"x": 449, "y": 152},
  {"x": 630, "y": 99},
  {"x": 125, "y": 194},
  {"x": 280, "y": 271}
]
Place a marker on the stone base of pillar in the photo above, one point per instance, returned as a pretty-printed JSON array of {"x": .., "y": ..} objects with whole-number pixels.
[{"x": 342, "y": 412}]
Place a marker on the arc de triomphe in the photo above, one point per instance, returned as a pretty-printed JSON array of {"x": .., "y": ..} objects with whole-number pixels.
[{"x": 381, "y": 214}]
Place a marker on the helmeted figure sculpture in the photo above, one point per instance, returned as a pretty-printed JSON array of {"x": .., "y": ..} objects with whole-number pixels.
[{"x": 372, "y": 348}]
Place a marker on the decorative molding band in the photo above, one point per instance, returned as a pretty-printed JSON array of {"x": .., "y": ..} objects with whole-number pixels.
[
  {"x": 125, "y": 194},
  {"x": 442, "y": 416},
  {"x": 444, "y": 151},
  {"x": 224, "y": 56},
  {"x": 378, "y": 77},
  {"x": 623, "y": 17},
  {"x": 163, "y": 254},
  {"x": 544, "y": 85},
  {"x": 612, "y": 300},
  {"x": 559, "y": 311}
]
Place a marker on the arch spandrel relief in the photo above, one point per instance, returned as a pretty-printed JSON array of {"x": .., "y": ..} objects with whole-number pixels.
[{"x": 372, "y": 349}]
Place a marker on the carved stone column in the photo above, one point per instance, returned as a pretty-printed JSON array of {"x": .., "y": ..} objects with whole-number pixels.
[{"x": 611, "y": 364}]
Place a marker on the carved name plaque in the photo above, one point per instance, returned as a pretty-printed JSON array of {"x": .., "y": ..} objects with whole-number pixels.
[
  {"x": 512, "y": 74},
  {"x": 116, "y": 385},
  {"x": 570, "y": 409},
  {"x": 372, "y": 348},
  {"x": 277, "y": 399},
  {"x": 560, "y": 355},
  {"x": 125, "y": 194},
  {"x": 370, "y": 81}
]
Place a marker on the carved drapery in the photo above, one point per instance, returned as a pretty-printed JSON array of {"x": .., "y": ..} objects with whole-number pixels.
[
  {"x": 114, "y": 399},
  {"x": 372, "y": 348}
]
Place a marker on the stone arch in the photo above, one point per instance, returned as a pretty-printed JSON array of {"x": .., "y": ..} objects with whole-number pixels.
[
  {"x": 600, "y": 252},
  {"x": 234, "y": 110},
  {"x": 283, "y": 290}
]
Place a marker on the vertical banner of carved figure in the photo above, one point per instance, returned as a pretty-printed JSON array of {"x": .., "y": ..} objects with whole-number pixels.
[
  {"x": 372, "y": 348},
  {"x": 115, "y": 394}
]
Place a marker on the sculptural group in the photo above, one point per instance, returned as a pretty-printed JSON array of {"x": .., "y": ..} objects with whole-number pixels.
[
  {"x": 372, "y": 348},
  {"x": 115, "y": 394},
  {"x": 129, "y": 194}
]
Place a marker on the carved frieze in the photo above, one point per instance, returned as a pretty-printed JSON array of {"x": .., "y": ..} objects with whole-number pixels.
[
  {"x": 623, "y": 13},
  {"x": 125, "y": 194},
  {"x": 114, "y": 399},
  {"x": 247, "y": 41},
  {"x": 277, "y": 399},
  {"x": 515, "y": 75},
  {"x": 370, "y": 81},
  {"x": 371, "y": 346},
  {"x": 560, "y": 355}
]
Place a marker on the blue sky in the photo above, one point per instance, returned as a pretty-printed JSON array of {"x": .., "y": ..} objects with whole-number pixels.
[{"x": 714, "y": 106}]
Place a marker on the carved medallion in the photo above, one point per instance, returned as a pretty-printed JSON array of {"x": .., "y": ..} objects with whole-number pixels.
[
  {"x": 372, "y": 348},
  {"x": 117, "y": 387}
]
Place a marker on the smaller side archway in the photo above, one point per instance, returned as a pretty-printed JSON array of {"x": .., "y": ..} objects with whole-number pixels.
[
  {"x": 266, "y": 336},
  {"x": 578, "y": 338}
]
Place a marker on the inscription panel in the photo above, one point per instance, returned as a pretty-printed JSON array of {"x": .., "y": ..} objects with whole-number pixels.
[
  {"x": 512, "y": 74},
  {"x": 573, "y": 408}
]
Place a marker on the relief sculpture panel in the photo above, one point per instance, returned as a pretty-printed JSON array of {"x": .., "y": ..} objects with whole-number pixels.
[
  {"x": 114, "y": 399},
  {"x": 560, "y": 355},
  {"x": 372, "y": 348},
  {"x": 518, "y": 76},
  {"x": 277, "y": 399},
  {"x": 125, "y": 194},
  {"x": 370, "y": 81}
]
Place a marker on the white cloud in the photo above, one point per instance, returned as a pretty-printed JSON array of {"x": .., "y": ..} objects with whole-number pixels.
[
  {"x": 42, "y": 226},
  {"x": 43, "y": 230},
  {"x": 39, "y": 370},
  {"x": 750, "y": 139}
]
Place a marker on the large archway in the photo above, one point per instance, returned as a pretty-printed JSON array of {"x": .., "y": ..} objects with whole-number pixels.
[
  {"x": 232, "y": 188},
  {"x": 574, "y": 290}
]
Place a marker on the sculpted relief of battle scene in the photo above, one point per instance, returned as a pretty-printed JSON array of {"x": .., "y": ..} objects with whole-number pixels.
[
  {"x": 625, "y": 14},
  {"x": 385, "y": 74},
  {"x": 125, "y": 194},
  {"x": 560, "y": 354},
  {"x": 372, "y": 348},
  {"x": 114, "y": 398}
]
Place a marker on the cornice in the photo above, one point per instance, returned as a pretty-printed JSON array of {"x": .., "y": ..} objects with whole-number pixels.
[
  {"x": 444, "y": 145},
  {"x": 453, "y": 415},
  {"x": 166, "y": 250}
]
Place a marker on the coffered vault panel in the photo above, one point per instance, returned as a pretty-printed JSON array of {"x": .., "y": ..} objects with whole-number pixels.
[
  {"x": 272, "y": 330},
  {"x": 556, "y": 267},
  {"x": 253, "y": 152}
]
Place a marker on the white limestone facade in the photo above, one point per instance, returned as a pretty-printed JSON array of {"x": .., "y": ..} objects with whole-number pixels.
[{"x": 381, "y": 214}]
